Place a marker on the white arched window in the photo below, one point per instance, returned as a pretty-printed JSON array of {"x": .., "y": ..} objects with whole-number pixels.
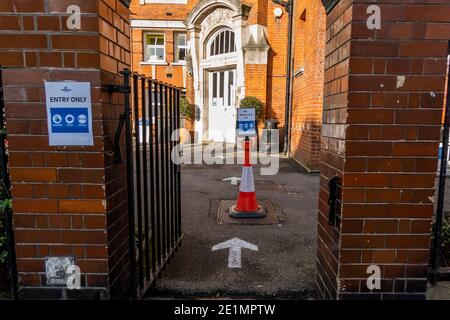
[{"x": 223, "y": 42}]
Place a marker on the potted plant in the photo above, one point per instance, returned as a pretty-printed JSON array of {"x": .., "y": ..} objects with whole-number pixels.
[
  {"x": 187, "y": 111},
  {"x": 255, "y": 103}
]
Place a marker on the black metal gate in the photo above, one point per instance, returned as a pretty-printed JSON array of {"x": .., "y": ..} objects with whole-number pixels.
[
  {"x": 440, "y": 219},
  {"x": 151, "y": 118},
  {"x": 5, "y": 199}
]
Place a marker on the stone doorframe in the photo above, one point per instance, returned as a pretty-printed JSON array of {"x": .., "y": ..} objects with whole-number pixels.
[{"x": 199, "y": 30}]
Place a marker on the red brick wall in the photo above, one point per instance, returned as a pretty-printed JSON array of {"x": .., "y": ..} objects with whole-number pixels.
[
  {"x": 276, "y": 67},
  {"x": 307, "y": 94},
  {"x": 155, "y": 11},
  {"x": 160, "y": 72},
  {"x": 332, "y": 140},
  {"x": 256, "y": 82},
  {"x": 114, "y": 24},
  {"x": 64, "y": 198},
  {"x": 388, "y": 156}
]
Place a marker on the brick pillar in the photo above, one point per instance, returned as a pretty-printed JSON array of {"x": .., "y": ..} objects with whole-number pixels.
[
  {"x": 384, "y": 93},
  {"x": 67, "y": 201}
]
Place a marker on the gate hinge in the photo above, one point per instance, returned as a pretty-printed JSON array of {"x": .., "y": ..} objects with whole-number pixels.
[{"x": 114, "y": 88}]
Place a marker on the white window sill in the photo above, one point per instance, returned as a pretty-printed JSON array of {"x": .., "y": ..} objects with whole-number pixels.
[
  {"x": 179, "y": 63},
  {"x": 153, "y": 63}
]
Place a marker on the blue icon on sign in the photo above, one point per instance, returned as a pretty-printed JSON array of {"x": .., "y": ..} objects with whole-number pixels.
[
  {"x": 69, "y": 120},
  {"x": 246, "y": 125}
]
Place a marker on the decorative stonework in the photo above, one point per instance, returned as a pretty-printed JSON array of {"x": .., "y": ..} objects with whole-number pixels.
[
  {"x": 218, "y": 16},
  {"x": 256, "y": 46}
]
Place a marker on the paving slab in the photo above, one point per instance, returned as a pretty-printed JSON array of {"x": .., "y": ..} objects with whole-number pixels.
[
  {"x": 441, "y": 291},
  {"x": 284, "y": 265}
]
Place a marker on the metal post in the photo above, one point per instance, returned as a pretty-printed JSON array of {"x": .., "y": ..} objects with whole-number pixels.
[
  {"x": 6, "y": 185},
  {"x": 152, "y": 175},
  {"x": 441, "y": 192},
  {"x": 158, "y": 173},
  {"x": 145, "y": 178},
  {"x": 178, "y": 167},
  {"x": 163, "y": 171},
  {"x": 138, "y": 179},
  {"x": 130, "y": 185}
]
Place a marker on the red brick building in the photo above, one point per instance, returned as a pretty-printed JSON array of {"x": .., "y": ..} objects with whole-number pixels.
[
  {"x": 223, "y": 51},
  {"x": 382, "y": 104}
]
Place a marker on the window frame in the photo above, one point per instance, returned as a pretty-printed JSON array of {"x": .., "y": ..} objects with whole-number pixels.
[
  {"x": 156, "y": 46},
  {"x": 217, "y": 41},
  {"x": 176, "y": 47}
]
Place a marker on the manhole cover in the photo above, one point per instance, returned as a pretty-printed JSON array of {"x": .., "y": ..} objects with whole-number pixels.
[
  {"x": 267, "y": 186},
  {"x": 223, "y": 214}
]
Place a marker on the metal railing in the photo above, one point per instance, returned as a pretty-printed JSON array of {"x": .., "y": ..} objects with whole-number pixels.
[
  {"x": 5, "y": 197},
  {"x": 152, "y": 114}
]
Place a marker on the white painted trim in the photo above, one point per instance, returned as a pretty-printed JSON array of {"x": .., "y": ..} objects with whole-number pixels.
[
  {"x": 168, "y": 24},
  {"x": 165, "y": 1},
  {"x": 179, "y": 63},
  {"x": 162, "y": 63}
]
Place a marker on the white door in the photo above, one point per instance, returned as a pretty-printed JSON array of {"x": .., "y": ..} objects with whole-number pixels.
[{"x": 222, "y": 109}]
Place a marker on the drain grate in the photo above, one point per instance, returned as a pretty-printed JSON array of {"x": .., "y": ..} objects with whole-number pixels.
[{"x": 223, "y": 214}]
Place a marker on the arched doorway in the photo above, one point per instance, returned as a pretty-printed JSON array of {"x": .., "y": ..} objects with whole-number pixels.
[
  {"x": 216, "y": 63},
  {"x": 219, "y": 67}
]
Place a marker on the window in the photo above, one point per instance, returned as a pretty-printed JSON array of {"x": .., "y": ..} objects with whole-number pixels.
[
  {"x": 180, "y": 47},
  {"x": 222, "y": 43},
  {"x": 154, "y": 50}
]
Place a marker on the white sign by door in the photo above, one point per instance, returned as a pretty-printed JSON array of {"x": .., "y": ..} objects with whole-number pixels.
[
  {"x": 69, "y": 113},
  {"x": 246, "y": 122}
]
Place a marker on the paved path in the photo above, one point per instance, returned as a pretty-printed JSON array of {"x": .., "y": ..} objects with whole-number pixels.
[{"x": 283, "y": 267}]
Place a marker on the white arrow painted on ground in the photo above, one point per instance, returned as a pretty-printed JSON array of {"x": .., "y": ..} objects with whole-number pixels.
[
  {"x": 235, "y": 245},
  {"x": 234, "y": 180}
]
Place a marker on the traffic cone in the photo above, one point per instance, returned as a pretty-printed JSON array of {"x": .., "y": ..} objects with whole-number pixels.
[{"x": 247, "y": 205}]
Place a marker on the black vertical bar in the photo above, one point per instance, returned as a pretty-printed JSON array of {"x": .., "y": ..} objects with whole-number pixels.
[
  {"x": 157, "y": 175},
  {"x": 167, "y": 165},
  {"x": 130, "y": 185},
  {"x": 152, "y": 174},
  {"x": 178, "y": 170},
  {"x": 442, "y": 176},
  {"x": 145, "y": 175},
  {"x": 163, "y": 171},
  {"x": 174, "y": 168},
  {"x": 174, "y": 171},
  {"x": 170, "y": 163},
  {"x": 138, "y": 179},
  {"x": 6, "y": 185}
]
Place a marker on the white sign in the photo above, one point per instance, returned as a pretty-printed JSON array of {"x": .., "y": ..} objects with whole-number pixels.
[
  {"x": 69, "y": 113},
  {"x": 246, "y": 119},
  {"x": 234, "y": 255}
]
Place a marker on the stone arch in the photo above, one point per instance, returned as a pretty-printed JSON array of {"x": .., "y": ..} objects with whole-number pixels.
[{"x": 202, "y": 9}]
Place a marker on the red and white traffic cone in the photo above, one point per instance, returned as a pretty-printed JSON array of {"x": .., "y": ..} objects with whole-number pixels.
[{"x": 247, "y": 205}]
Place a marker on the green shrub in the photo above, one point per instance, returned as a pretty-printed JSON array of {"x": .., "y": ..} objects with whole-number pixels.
[
  {"x": 445, "y": 233},
  {"x": 186, "y": 109},
  {"x": 255, "y": 103},
  {"x": 4, "y": 205}
]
